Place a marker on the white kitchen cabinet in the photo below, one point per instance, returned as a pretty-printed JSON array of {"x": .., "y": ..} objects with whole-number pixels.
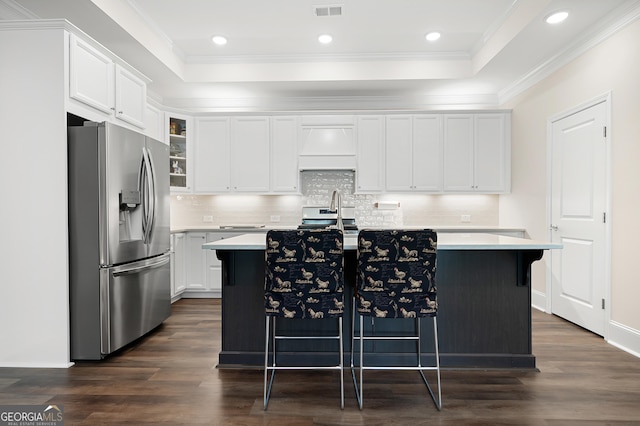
[
  {"x": 492, "y": 152},
  {"x": 180, "y": 152},
  {"x": 95, "y": 79},
  {"x": 250, "y": 154},
  {"x": 399, "y": 151},
  {"x": 212, "y": 155},
  {"x": 196, "y": 283},
  {"x": 477, "y": 152},
  {"x": 213, "y": 265},
  {"x": 414, "y": 153},
  {"x": 370, "y": 171},
  {"x": 131, "y": 97},
  {"x": 234, "y": 155},
  {"x": 178, "y": 269},
  {"x": 284, "y": 154},
  {"x": 154, "y": 123},
  {"x": 203, "y": 269}
]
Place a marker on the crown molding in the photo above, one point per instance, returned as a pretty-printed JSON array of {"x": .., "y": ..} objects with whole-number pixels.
[
  {"x": 612, "y": 25},
  {"x": 38, "y": 24},
  {"x": 334, "y": 103},
  {"x": 334, "y": 57}
]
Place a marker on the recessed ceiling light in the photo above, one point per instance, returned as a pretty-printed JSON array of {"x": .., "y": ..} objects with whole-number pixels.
[
  {"x": 325, "y": 39},
  {"x": 557, "y": 17},
  {"x": 433, "y": 36},
  {"x": 219, "y": 40}
]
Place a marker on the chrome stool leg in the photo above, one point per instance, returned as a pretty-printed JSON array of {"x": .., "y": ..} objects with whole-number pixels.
[
  {"x": 340, "y": 342},
  {"x": 267, "y": 337},
  {"x": 356, "y": 387}
]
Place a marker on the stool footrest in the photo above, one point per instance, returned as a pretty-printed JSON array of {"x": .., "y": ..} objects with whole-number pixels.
[
  {"x": 370, "y": 367},
  {"x": 386, "y": 338},
  {"x": 281, "y": 337},
  {"x": 331, "y": 367}
]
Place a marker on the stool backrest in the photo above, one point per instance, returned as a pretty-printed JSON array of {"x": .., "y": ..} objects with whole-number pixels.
[
  {"x": 397, "y": 273},
  {"x": 304, "y": 273}
]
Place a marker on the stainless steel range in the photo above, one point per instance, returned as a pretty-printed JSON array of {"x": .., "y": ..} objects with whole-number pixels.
[{"x": 314, "y": 217}]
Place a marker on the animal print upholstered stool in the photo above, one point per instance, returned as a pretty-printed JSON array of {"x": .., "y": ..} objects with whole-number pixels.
[
  {"x": 396, "y": 280},
  {"x": 304, "y": 279}
]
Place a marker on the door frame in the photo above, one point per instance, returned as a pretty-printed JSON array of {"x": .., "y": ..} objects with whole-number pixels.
[{"x": 606, "y": 98}]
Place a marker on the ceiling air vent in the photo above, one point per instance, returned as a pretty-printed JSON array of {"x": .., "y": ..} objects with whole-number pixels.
[{"x": 328, "y": 10}]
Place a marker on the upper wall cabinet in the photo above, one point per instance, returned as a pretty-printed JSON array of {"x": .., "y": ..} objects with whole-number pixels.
[
  {"x": 154, "y": 123},
  {"x": 370, "y": 153},
  {"x": 430, "y": 152},
  {"x": 284, "y": 154},
  {"x": 250, "y": 154},
  {"x": 414, "y": 153},
  {"x": 212, "y": 155},
  {"x": 477, "y": 152},
  {"x": 95, "y": 79},
  {"x": 246, "y": 154},
  {"x": 180, "y": 152},
  {"x": 131, "y": 97}
]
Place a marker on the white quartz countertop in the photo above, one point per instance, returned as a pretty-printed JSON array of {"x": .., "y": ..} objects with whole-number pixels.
[
  {"x": 261, "y": 228},
  {"x": 446, "y": 241}
]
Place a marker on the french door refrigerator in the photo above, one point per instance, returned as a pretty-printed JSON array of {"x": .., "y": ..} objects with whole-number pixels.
[{"x": 119, "y": 276}]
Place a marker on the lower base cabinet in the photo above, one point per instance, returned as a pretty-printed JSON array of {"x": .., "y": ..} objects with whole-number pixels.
[
  {"x": 213, "y": 273},
  {"x": 178, "y": 269},
  {"x": 196, "y": 273}
]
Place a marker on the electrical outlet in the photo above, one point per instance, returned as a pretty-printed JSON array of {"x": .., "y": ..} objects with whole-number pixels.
[
  {"x": 275, "y": 218},
  {"x": 465, "y": 218},
  {"x": 207, "y": 218}
]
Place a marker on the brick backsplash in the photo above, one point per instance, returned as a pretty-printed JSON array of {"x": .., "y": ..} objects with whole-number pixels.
[{"x": 189, "y": 210}]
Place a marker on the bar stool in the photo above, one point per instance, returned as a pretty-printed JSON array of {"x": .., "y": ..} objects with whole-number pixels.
[
  {"x": 304, "y": 279},
  {"x": 396, "y": 279}
]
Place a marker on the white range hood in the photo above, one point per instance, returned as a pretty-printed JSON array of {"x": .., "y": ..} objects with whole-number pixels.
[{"x": 327, "y": 143}]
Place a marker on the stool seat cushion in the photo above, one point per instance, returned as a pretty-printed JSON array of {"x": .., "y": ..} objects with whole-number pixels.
[
  {"x": 397, "y": 273},
  {"x": 304, "y": 273}
]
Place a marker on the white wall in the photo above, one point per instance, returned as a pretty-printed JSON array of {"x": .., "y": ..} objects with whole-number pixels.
[
  {"x": 613, "y": 65},
  {"x": 34, "y": 318}
]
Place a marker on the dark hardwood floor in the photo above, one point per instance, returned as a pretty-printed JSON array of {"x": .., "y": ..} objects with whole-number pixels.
[{"x": 170, "y": 377}]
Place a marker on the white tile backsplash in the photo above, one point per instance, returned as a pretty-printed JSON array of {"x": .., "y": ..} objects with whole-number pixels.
[{"x": 316, "y": 186}]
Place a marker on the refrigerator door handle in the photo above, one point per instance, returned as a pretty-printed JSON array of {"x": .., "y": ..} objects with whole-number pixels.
[
  {"x": 163, "y": 260},
  {"x": 148, "y": 196},
  {"x": 142, "y": 185},
  {"x": 152, "y": 192}
]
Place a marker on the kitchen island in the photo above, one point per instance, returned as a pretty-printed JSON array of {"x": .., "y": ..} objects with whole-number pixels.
[{"x": 484, "y": 298}]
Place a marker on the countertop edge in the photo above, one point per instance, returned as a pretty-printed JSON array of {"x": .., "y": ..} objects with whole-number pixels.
[
  {"x": 439, "y": 228},
  {"x": 452, "y": 241}
]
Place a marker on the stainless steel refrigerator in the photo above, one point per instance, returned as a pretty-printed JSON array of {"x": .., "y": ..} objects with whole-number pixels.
[{"x": 118, "y": 237}]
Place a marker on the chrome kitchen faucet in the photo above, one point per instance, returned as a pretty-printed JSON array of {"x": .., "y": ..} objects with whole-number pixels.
[{"x": 336, "y": 204}]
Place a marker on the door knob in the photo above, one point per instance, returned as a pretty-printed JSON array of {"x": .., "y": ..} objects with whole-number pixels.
[{"x": 554, "y": 227}]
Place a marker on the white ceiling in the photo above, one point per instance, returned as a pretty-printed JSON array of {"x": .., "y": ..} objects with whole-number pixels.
[{"x": 489, "y": 49}]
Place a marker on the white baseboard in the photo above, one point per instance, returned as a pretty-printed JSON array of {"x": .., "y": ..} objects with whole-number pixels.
[
  {"x": 538, "y": 300},
  {"x": 625, "y": 338},
  {"x": 35, "y": 365},
  {"x": 619, "y": 335},
  {"x": 209, "y": 294}
]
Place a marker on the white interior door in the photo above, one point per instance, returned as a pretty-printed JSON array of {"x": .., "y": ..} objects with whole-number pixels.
[{"x": 578, "y": 208}]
